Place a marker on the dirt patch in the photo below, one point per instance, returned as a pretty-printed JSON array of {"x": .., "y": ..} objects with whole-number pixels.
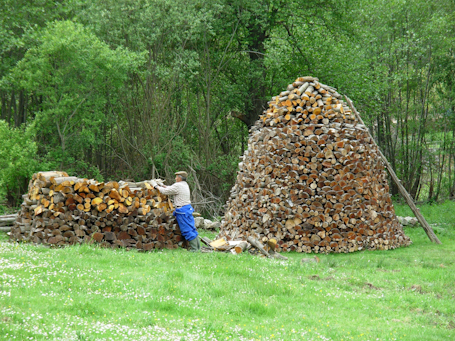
[
  {"x": 384, "y": 270},
  {"x": 416, "y": 288},
  {"x": 371, "y": 286},
  {"x": 317, "y": 278}
]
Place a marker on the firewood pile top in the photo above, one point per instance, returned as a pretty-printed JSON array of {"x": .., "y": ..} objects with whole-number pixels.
[
  {"x": 60, "y": 210},
  {"x": 312, "y": 178}
]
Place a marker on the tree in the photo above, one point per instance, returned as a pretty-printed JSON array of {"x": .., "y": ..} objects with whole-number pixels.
[
  {"x": 77, "y": 77},
  {"x": 19, "y": 22},
  {"x": 17, "y": 161},
  {"x": 408, "y": 49}
]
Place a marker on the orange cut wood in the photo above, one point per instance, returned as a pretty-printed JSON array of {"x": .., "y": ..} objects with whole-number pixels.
[
  {"x": 97, "y": 201},
  {"x": 122, "y": 209},
  {"x": 94, "y": 188},
  {"x": 115, "y": 195}
]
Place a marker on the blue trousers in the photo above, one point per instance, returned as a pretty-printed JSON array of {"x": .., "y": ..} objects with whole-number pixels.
[{"x": 185, "y": 219}]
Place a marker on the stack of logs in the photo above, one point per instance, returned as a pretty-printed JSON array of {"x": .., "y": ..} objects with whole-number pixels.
[
  {"x": 312, "y": 178},
  {"x": 61, "y": 210},
  {"x": 6, "y": 221}
]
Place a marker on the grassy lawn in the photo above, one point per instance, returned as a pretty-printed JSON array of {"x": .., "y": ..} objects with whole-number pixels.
[
  {"x": 439, "y": 216},
  {"x": 87, "y": 293}
]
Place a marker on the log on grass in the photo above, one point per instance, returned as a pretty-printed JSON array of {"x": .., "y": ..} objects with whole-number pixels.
[
  {"x": 272, "y": 243},
  {"x": 254, "y": 242},
  {"x": 207, "y": 242},
  {"x": 239, "y": 248}
]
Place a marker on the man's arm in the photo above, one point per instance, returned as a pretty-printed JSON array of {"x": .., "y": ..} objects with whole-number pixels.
[{"x": 170, "y": 190}]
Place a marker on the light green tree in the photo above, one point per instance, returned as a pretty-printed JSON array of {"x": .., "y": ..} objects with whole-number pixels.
[
  {"x": 17, "y": 161},
  {"x": 77, "y": 78}
]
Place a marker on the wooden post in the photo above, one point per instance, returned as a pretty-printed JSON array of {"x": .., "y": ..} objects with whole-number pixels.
[{"x": 404, "y": 193}]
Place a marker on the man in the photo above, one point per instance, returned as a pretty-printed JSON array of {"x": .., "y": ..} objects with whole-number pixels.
[{"x": 183, "y": 209}]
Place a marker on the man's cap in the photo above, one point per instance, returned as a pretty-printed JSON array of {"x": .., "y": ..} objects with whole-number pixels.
[{"x": 182, "y": 173}]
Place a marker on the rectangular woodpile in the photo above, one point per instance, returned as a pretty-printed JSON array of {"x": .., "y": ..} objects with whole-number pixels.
[
  {"x": 61, "y": 210},
  {"x": 312, "y": 178}
]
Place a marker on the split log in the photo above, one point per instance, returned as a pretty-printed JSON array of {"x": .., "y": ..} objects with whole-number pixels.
[
  {"x": 239, "y": 248},
  {"x": 271, "y": 243}
]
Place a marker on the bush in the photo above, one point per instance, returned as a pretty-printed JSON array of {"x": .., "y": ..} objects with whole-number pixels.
[{"x": 17, "y": 162}]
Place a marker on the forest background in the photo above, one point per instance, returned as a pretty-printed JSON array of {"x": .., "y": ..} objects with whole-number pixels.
[{"x": 138, "y": 89}]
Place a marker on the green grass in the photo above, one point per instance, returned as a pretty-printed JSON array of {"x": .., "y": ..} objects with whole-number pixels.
[
  {"x": 88, "y": 293},
  {"x": 441, "y": 216}
]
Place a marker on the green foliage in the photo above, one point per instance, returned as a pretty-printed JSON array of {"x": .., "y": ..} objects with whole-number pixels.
[
  {"x": 401, "y": 56},
  {"x": 224, "y": 168},
  {"x": 179, "y": 155},
  {"x": 100, "y": 110},
  {"x": 144, "y": 26},
  {"x": 17, "y": 161},
  {"x": 77, "y": 76},
  {"x": 20, "y": 21},
  {"x": 439, "y": 214}
]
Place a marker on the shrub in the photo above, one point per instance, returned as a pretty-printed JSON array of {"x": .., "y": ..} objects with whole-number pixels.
[{"x": 17, "y": 161}]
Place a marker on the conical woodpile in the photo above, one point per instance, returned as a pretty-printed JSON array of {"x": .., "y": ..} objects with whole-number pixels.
[
  {"x": 312, "y": 178},
  {"x": 61, "y": 210}
]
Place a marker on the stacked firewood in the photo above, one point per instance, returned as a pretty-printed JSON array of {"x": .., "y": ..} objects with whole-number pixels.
[
  {"x": 59, "y": 210},
  {"x": 312, "y": 178},
  {"x": 6, "y": 221}
]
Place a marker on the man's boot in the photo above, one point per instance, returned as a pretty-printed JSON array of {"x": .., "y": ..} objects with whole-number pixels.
[{"x": 195, "y": 245}]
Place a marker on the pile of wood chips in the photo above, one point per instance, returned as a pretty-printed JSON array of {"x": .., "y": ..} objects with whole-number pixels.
[
  {"x": 312, "y": 178},
  {"x": 60, "y": 210}
]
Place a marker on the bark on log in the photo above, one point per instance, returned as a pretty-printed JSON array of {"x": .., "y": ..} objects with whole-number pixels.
[
  {"x": 8, "y": 220},
  {"x": 207, "y": 242},
  {"x": 258, "y": 246},
  {"x": 239, "y": 248}
]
